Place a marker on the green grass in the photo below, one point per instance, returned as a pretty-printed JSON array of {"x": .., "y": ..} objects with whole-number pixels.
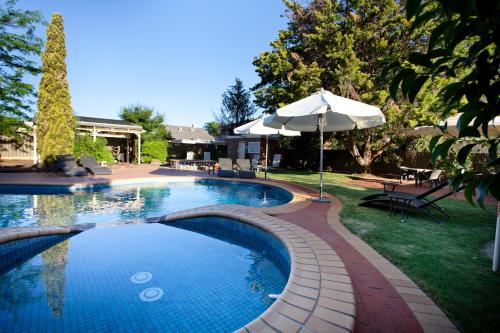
[{"x": 443, "y": 259}]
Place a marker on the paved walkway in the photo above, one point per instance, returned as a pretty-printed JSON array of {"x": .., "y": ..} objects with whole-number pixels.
[{"x": 382, "y": 304}]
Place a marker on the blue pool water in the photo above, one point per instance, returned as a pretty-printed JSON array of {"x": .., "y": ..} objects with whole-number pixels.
[
  {"x": 127, "y": 203},
  {"x": 205, "y": 274}
]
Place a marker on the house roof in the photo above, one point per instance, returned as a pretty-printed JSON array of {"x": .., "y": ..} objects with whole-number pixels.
[
  {"x": 104, "y": 121},
  {"x": 189, "y": 134}
]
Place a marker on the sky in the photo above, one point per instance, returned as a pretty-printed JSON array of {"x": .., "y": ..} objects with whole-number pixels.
[{"x": 175, "y": 56}]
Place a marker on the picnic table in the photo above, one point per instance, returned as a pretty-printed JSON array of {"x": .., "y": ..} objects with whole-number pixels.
[{"x": 417, "y": 173}]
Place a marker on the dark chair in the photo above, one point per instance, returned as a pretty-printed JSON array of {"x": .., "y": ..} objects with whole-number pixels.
[
  {"x": 424, "y": 204},
  {"x": 384, "y": 194},
  {"x": 90, "y": 163},
  {"x": 420, "y": 202},
  {"x": 68, "y": 165}
]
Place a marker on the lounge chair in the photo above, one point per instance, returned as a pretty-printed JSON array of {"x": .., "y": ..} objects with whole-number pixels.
[
  {"x": 418, "y": 202},
  {"x": 244, "y": 168},
  {"x": 68, "y": 165},
  {"x": 424, "y": 204},
  {"x": 225, "y": 168},
  {"x": 90, "y": 163},
  {"x": 254, "y": 163},
  {"x": 384, "y": 194},
  {"x": 275, "y": 165},
  {"x": 434, "y": 177}
]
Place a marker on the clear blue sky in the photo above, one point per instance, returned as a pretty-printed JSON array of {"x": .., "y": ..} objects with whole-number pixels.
[{"x": 176, "y": 56}]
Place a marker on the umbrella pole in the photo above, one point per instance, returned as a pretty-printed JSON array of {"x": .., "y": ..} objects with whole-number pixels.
[
  {"x": 321, "y": 156},
  {"x": 320, "y": 125},
  {"x": 267, "y": 142}
]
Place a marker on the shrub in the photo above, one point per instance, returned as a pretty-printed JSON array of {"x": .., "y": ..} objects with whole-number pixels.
[
  {"x": 154, "y": 150},
  {"x": 85, "y": 145}
]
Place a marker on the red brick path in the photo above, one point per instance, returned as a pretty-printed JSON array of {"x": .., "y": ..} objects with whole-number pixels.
[{"x": 379, "y": 307}]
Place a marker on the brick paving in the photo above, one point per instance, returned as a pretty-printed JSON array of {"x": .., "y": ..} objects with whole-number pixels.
[{"x": 379, "y": 306}]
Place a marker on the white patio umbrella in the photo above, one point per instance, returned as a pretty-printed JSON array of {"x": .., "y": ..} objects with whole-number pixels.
[
  {"x": 451, "y": 127},
  {"x": 326, "y": 112},
  {"x": 257, "y": 127}
]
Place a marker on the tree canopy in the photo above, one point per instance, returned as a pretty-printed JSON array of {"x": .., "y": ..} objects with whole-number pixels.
[
  {"x": 343, "y": 46},
  {"x": 18, "y": 44},
  {"x": 55, "y": 122},
  {"x": 213, "y": 128},
  {"x": 237, "y": 105},
  {"x": 151, "y": 121},
  {"x": 463, "y": 48}
]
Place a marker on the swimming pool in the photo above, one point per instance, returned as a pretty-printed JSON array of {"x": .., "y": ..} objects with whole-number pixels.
[
  {"x": 207, "y": 274},
  {"x": 56, "y": 205}
]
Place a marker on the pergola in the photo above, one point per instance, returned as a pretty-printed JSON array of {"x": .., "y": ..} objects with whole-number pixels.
[{"x": 110, "y": 128}]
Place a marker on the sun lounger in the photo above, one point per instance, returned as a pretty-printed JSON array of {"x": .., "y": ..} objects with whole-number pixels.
[
  {"x": 418, "y": 202},
  {"x": 90, "y": 163},
  {"x": 225, "y": 168},
  {"x": 68, "y": 165},
  {"x": 434, "y": 177},
  {"x": 275, "y": 165},
  {"x": 244, "y": 168},
  {"x": 384, "y": 194}
]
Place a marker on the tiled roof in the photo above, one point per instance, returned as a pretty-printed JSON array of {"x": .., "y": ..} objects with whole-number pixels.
[
  {"x": 179, "y": 133},
  {"x": 105, "y": 121}
]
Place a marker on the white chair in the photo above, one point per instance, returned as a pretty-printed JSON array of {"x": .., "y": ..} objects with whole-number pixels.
[
  {"x": 275, "y": 165},
  {"x": 255, "y": 162}
]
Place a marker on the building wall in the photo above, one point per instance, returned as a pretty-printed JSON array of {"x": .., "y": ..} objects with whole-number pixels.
[
  {"x": 179, "y": 150},
  {"x": 233, "y": 144},
  {"x": 17, "y": 151}
]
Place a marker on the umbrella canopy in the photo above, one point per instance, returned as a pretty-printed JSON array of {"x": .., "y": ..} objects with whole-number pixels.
[
  {"x": 326, "y": 112},
  {"x": 257, "y": 127},
  {"x": 451, "y": 128},
  {"x": 340, "y": 114}
]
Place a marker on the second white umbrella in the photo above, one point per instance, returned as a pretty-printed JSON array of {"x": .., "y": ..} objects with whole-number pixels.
[{"x": 257, "y": 127}]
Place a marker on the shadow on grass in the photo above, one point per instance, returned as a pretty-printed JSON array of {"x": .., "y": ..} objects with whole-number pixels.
[{"x": 443, "y": 259}]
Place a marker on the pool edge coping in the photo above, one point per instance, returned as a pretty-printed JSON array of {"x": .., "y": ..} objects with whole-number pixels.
[
  {"x": 430, "y": 316},
  {"x": 300, "y": 199},
  {"x": 9, "y": 234}
]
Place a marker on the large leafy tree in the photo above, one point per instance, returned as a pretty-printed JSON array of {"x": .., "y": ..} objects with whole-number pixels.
[
  {"x": 213, "y": 128},
  {"x": 343, "y": 47},
  {"x": 237, "y": 105},
  {"x": 146, "y": 117},
  {"x": 55, "y": 122},
  {"x": 17, "y": 44},
  {"x": 463, "y": 48}
]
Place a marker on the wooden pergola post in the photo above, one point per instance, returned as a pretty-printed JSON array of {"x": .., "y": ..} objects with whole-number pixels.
[{"x": 139, "y": 148}]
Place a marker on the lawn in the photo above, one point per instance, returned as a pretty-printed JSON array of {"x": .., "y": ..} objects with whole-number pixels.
[{"x": 444, "y": 260}]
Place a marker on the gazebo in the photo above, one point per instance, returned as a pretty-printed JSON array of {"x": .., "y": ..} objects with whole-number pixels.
[{"x": 112, "y": 129}]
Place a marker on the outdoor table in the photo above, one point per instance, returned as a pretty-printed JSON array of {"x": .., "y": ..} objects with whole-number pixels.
[
  {"x": 192, "y": 164},
  {"x": 417, "y": 172},
  {"x": 402, "y": 201}
]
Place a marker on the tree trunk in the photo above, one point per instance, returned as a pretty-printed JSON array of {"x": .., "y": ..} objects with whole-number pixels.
[{"x": 364, "y": 160}]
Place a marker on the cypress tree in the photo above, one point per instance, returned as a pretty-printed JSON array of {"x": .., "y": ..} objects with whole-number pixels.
[{"x": 55, "y": 123}]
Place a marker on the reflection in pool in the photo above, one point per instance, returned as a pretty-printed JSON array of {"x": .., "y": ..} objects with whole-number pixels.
[
  {"x": 205, "y": 274},
  {"x": 129, "y": 203}
]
